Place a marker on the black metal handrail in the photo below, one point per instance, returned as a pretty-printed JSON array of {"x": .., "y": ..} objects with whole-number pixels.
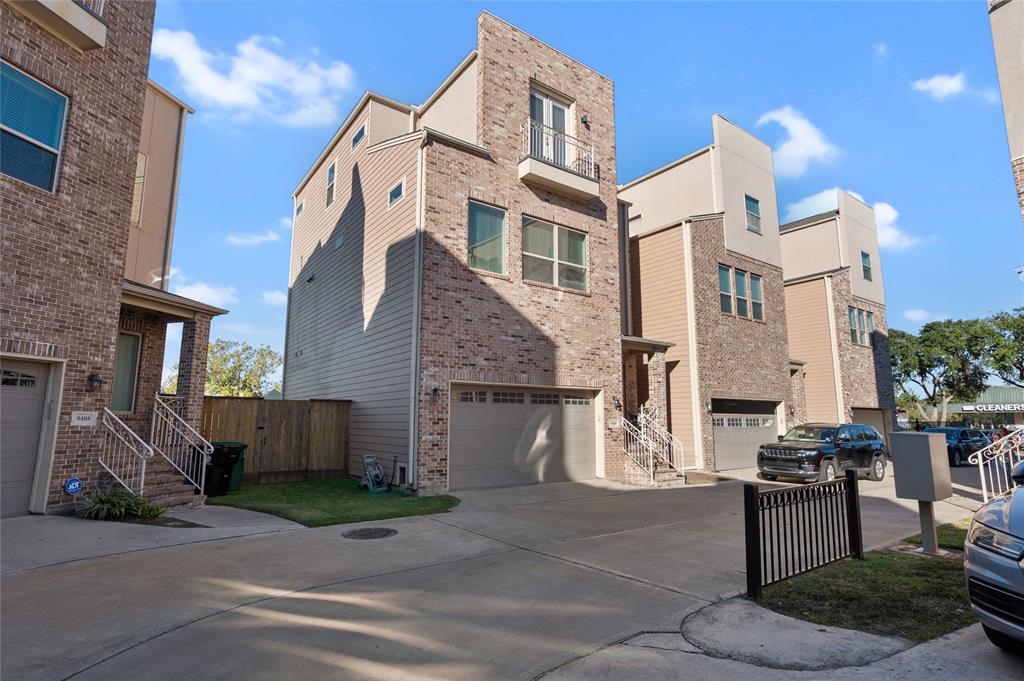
[{"x": 792, "y": 530}]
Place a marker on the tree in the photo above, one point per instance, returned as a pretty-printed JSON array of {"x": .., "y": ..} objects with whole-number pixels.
[
  {"x": 942, "y": 363},
  {"x": 1004, "y": 351},
  {"x": 233, "y": 369}
]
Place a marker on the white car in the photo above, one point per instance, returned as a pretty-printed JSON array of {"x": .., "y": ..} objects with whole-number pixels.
[{"x": 994, "y": 566}]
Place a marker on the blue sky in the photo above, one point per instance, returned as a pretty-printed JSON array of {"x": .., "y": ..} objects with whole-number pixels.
[{"x": 897, "y": 102}]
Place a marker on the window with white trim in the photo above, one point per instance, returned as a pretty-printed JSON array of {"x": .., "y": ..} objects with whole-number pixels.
[
  {"x": 753, "y": 207},
  {"x": 756, "y": 298},
  {"x": 472, "y": 396},
  {"x": 298, "y": 210},
  {"x": 499, "y": 397},
  {"x": 725, "y": 289},
  {"x": 865, "y": 265},
  {"x": 554, "y": 255},
  {"x": 486, "y": 238},
  {"x": 32, "y": 118},
  {"x": 576, "y": 400},
  {"x": 396, "y": 193},
  {"x": 126, "y": 369},
  {"x": 741, "y": 293},
  {"x": 862, "y": 326},
  {"x": 330, "y": 184},
  {"x": 544, "y": 398},
  {"x": 358, "y": 137}
]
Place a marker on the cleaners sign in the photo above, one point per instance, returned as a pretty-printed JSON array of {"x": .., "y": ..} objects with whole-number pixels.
[{"x": 998, "y": 408}]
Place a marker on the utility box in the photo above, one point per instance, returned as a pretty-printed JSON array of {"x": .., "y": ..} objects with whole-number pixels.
[{"x": 922, "y": 466}]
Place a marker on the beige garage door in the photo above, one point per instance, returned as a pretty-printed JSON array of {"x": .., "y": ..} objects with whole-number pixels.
[
  {"x": 22, "y": 397},
  {"x": 871, "y": 417},
  {"x": 504, "y": 436}
]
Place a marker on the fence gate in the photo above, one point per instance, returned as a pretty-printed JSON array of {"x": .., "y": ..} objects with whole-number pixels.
[{"x": 797, "y": 529}]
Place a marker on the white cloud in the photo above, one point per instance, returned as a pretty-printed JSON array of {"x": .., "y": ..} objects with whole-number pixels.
[
  {"x": 257, "y": 80},
  {"x": 805, "y": 143},
  {"x": 941, "y": 86},
  {"x": 881, "y": 50},
  {"x": 889, "y": 233},
  {"x": 916, "y": 314},
  {"x": 285, "y": 222},
  {"x": 208, "y": 293},
  {"x": 275, "y": 298},
  {"x": 252, "y": 239},
  {"x": 241, "y": 329}
]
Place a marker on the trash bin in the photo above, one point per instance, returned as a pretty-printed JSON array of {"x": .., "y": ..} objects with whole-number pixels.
[
  {"x": 216, "y": 482},
  {"x": 231, "y": 454}
]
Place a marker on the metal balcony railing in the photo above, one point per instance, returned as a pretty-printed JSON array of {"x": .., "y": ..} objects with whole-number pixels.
[{"x": 559, "y": 149}]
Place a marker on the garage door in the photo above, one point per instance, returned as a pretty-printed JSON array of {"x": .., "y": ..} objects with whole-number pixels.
[
  {"x": 738, "y": 435},
  {"x": 22, "y": 395},
  {"x": 502, "y": 436},
  {"x": 871, "y": 417}
]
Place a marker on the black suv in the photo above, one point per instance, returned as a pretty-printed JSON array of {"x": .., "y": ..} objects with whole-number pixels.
[
  {"x": 822, "y": 451},
  {"x": 961, "y": 442}
]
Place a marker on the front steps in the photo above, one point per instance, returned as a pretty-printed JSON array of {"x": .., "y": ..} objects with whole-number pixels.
[{"x": 167, "y": 488}]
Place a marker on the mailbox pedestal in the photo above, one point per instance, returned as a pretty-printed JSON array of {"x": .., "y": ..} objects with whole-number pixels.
[{"x": 922, "y": 473}]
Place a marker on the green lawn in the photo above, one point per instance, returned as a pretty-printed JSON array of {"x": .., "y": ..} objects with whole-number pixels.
[
  {"x": 951, "y": 536},
  {"x": 889, "y": 593},
  {"x": 316, "y": 503}
]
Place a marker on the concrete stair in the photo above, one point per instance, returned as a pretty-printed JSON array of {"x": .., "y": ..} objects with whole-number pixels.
[
  {"x": 667, "y": 477},
  {"x": 167, "y": 488}
]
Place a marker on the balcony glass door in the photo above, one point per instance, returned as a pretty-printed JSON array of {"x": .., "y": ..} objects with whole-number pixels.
[{"x": 547, "y": 136}]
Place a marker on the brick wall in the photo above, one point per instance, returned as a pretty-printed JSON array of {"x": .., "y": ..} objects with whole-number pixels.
[
  {"x": 476, "y": 326},
  {"x": 1018, "y": 181},
  {"x": 797, "y": 412},
  {"x": 736, "y": 358},
  {"x": 62, "y": 255}
]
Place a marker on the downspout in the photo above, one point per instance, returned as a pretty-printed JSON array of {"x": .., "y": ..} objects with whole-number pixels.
[
  {"x": 696, "y": 411},
  {"x": 172, "y": 212},
  {"x": 414, "y": 389}
]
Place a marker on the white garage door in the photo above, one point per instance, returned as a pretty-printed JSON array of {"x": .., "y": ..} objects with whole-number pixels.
[
  {"x": 737, "y": 437},
  {"x": 502, "y": 436},
  {"x": 22, "y": 396}
]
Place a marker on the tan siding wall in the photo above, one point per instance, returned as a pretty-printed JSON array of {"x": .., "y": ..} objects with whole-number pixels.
[
  {"x": 809, "y": 340},
  {"x": 350, "y": 328},
  {"x": 454, "y": 112},
  {"x": 660, "y": 313}
]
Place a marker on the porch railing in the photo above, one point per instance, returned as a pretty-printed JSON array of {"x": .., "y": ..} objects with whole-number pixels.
[
  {"x": 667, "y": 446},
  {"x": 179, "y": 443},
  {"x": 638, "y": 448},
  {"x": 559, "y": 149},
  {"x": 995, "y": 463},
  {"x": 124, "y": 453}
]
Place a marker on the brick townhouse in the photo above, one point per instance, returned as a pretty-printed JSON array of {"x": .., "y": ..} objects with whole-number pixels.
[
  {"x": 90, "y": 156},
  {"x": 1006, "y": 18},
  {"x": 455, "y": 272}
]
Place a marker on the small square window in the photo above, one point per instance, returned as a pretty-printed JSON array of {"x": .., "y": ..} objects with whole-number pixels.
[
  {"x": 356, "y": 138},
  {"x": 753, "y": 207},
  {"x": 396, "y": 193}
]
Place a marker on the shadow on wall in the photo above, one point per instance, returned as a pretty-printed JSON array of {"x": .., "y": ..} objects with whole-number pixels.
[
  {"x": 882, "y": 366},
  {"x": 350, "y": 335}
]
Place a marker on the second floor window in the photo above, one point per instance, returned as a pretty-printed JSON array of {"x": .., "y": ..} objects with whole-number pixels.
[
  {"x": 756, "y": 298},
  {"x": 330, "y": 185},
  {"x": 554, "y": 255},
  {"x": 753, "y": 213},
  {"x": 865, "y": 265},
  {"x": 741, "y": 292},
  {"x": 32, "y": 118},
  {"x": 486, "y": 238},
  {"x": 862, "y": 326},
  {"x": 139, "y": 188},
  {"x": 725, "y": 288}
]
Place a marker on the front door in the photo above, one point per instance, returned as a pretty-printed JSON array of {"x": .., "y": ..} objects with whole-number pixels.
[{"x": 23, "y": 396}]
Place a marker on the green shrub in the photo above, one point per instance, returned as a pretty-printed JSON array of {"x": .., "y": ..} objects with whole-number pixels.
[{"x": 118, "y": 503}]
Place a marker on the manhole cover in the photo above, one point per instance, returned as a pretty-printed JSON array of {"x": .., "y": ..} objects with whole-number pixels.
[{"x": 369, "y": 533}]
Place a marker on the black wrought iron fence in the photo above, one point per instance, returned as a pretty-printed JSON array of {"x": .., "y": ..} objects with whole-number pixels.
[{"x": 796, "y": 529}]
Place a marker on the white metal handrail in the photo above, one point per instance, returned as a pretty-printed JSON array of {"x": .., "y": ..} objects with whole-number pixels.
[
  {"x": 558, "y": 148},
  {"x": 124, "y": 453},
  {"x": 667, "y": 446},
  {"x": 179, "y": 443},
  {"x": 995, "y": 463},
  {"x": 638, "y": 448}
]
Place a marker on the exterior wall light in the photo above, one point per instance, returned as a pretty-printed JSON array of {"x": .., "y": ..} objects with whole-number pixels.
[{"x": 94, "y": 381}]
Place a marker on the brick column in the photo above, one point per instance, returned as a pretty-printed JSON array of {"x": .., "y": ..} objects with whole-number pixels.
[
  {"x": 195, "y": 345},
  {"x": 657, "y": 386},
  {"x": 630, "y": 393}
]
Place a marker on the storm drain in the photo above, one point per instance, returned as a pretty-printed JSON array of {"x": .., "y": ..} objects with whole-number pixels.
[{"x": 370, "y": 533}]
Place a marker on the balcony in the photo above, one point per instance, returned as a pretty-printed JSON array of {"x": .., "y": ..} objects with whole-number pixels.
[
  {"x": 77, "y": 22},
  {"x": 558, "y": 162}
]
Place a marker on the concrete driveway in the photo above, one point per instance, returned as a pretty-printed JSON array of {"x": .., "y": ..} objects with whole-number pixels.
[{"x": 512, "y": 583}]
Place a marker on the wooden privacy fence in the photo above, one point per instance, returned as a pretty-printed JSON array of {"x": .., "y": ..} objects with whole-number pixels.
[
  {"x": 288, "y": 439},
  {"x": 796, "y": 529}
]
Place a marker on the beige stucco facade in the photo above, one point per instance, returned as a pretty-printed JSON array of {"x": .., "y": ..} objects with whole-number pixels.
[{"x": 1006, "y": 17}]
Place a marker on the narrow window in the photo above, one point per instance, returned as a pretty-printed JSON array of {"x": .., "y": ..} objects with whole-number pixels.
[
  {"x": 756, "y": 298},
  {"x": 753, "y": 213},
  {"x": 139, "y": 188},
  {"x": 861, "y": 328},
  {"x": 356, "y": 138},
  {"x": 486, "y": 238},
  {"x": 396, "y": 193},
  {"x": 871, "y": 327},
  {"x": 865, "y": 265},
  {"x": 330, "y": 185},
  {"x": 298, "y": 209},
  {"x": 554, "y": 254},
  {"x": 741, "y": 293},
  {"x": 853, "y": 325},
  {"x": 31, "y": 128},
  {"x": 725, "y": 289},
  {"x": 126, "y": 366}
]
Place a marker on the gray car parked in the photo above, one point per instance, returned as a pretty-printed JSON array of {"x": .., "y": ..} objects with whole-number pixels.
[{"x": 994, "y": 566}]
